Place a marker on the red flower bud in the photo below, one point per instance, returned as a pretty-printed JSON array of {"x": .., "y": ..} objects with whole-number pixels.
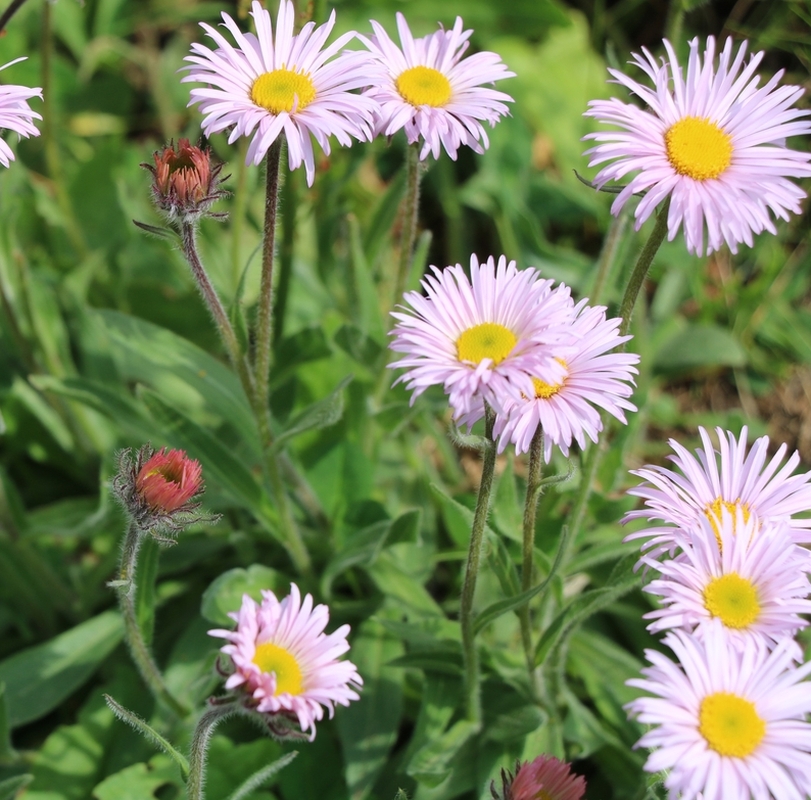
[{"x": 168, "y": 481}]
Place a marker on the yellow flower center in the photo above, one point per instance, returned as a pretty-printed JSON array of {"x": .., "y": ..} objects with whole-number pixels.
[
  {"x": 730, "y": 724},
  {"x": 283, "y": 90},
  {"x": 714, "y": 512},
  {"x": 486, "y": 340},
  {"x": 698, "y": 148},
  {"x": 424, "y": 86},
  {"x": 272, "y": 658},
  {"x": 543, "y": 390},
  {"x": 733, "y": 600}
]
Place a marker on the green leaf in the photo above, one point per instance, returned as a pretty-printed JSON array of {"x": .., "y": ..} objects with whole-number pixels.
[
  {"x": 500, "y": 561},
  {"x": 10, "y": 788},
  {"x": 364, "y": 297},
  {"x": 516, "y": 723},
  {"x": 356, "y": 344},
  {"x": 139, "y": 781},
  {"x": 262, "y": 776},
  {"x": 699, "y": 345},
  {"x": 309, "y": 344},
  {"x": 39, "y": 678},
  {"x": 431, "y": 764},
  {"x": 397, "y": 584},
  {"x": 622, "y": 580},
  {"x": 320, "y": 414},
  {"x": 6, "y": 750},
  {"x": 383, "y": 218},
  {"x": 506, "y": 507},
  {"x": 442, "y": 656},
  {"x": 368, "y": 729},
  {"x": 149, "y": 733},
  {"x": 224, "y": 595}
]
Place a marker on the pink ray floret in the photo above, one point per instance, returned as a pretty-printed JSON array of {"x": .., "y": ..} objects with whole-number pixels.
[{"x": 15, "y": 114}]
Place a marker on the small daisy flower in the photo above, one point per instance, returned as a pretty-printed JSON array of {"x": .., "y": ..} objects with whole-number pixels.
[
  {"x": 431, "y": 91},
  {"x": 591, "y": 377},
  {"x": 753, "y": 581},
  {"x": 284, "y": 664},
  {"x": 15, "y": 115},
  {"x": 713, "y": 141},
  {"x": 268, "y": 85},
  {"x": 728, "y": 724},
  {"x": 704, "y": 485},
  {"x": 482, "y": 337}
]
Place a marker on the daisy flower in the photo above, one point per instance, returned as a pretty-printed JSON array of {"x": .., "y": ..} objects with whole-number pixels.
[
  {"x": 701, "y": 488},
  {"x": 15, "y": 115},
  {"x": 482, "y": 337},
  {"x": 753, "y": 581},
  {"x": 431, "y": 91},
  {"x": 284, "y": 664},
  {"x": 591, "y": 377},
  {"x": 727, "y": 724},
  {"x": 268, "y": 85},
  {"x": 713, "y": 141}
]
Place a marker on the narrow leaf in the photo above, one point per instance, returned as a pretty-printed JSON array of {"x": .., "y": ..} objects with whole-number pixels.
[
  {"x": 431, "y": 765},
  {"x": 10, "y": 787},
  {"x": 262, "y": 776}
]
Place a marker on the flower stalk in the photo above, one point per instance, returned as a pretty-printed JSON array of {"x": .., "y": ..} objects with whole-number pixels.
[
  {"x": 471, "y": 658},
  {"x": 411, "y": 205},
  {"x": 199, "y": 747}
]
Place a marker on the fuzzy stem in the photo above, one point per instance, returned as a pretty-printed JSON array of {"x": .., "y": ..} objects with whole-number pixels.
[
  {"x": 199, "y": 748},
  {"x": 534, "y": 487},
  {"x": 411, "y": 204},
  {"x": 471, "y": 659},
  {"x": 215, "y": 307},
  {"x": 126, "y": 589},
  {"x": 264, "y": 322}
]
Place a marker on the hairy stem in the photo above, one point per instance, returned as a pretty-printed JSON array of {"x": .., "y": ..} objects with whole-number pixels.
[
  {"x": 126, "y": 589},
  {"x": 411, "y": 204},
  {"x": 199, "y": 748},
  {"x": 471, "y": 658}
]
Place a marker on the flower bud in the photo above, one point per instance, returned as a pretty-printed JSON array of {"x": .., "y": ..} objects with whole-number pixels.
[
  {"x": 545, "y": 778},
  {"x": 186, "y": 183}
]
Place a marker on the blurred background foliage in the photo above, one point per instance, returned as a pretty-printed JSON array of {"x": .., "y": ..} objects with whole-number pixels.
[{"x": 104, "y": 344}]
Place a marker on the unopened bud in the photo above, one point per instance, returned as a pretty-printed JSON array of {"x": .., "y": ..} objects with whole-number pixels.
[{"x": 545, "y": 778}]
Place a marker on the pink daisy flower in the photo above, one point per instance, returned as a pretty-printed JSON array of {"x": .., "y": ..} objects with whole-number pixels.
[
  {"x": 15, "y": 115},
  {"x": 728, "y": 725},
  {"x": 712, "y": 141},
  {"x": 753, "y": 581},
  {"x": 268, "y": 85},
  {"x": 480, "y": 337},
  {"x": 428, "y": 89},
  {"x": 591, "y": 377},
  {"x": 709, "y": 482},
  {"x": 284, "y": 663}
]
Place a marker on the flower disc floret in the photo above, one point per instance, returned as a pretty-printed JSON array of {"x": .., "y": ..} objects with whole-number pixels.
[
  {"x": 713, "y": 140},
  {"x": 726, "y": 723},
  {"x": 704, "y": 484},
  {"x": 480, "y": 338},
  {"x": 591, "y": 378},
  {"x": 275, "y": 83},
  {"x": 430, "y": 90},
  {"x": 15, "y": 113},
  {"x": 284, "y": 665}
]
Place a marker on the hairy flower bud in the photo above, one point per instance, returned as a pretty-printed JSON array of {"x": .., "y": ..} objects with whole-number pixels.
[
  {"x": 186, "y": 182},
  {"x": 545, "y": 778}
]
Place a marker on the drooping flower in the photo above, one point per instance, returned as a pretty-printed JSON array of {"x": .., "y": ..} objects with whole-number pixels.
[
  {"x": 186, "y": 182},
  {"x": 703, "y": 485},
  {"x": 544, "y": 778},
  {"x": 160, "y": 490},
  {"x": 729, "y": 724},
  {"x": 713, "y": 141},
  {"x": 284, "y": 666},
  {"x": 591, "y": 377},
  {"x": 292, "y": 84},
  {"x": 482, "y": 337},
  {"x": 15, "y": 114},
  {"x": 750, "y": 576},
  {"x": 427, "y": 88}
]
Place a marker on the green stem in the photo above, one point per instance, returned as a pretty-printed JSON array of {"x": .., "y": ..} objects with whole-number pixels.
[
  {"x": 199, "y": 748},
  {"x": 215, "y": 307},
  {"x": 264, "y": 323},
  {"x": 471, "y": 658},
  {"x": 411, "y": 205},
  {"x": 534, "y": 486},
  {"x": 126, "y": 589}
]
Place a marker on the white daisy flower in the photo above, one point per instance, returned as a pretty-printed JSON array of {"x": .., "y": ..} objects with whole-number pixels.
[
  {"x": 591, "y": 377},
  {"x": 728, "y": 724},
  {"x": 713, "y": 141},
  {"x": 704, "y": 485},
  {"x": 753, "y": 580},
  {"x": 268, "y": 85},
  {"x": 284, "y": 663},
  {"x": 481, "y": 338},
  {"x": 15, "y": 115},
  {"x": 431, "y": 91}
]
